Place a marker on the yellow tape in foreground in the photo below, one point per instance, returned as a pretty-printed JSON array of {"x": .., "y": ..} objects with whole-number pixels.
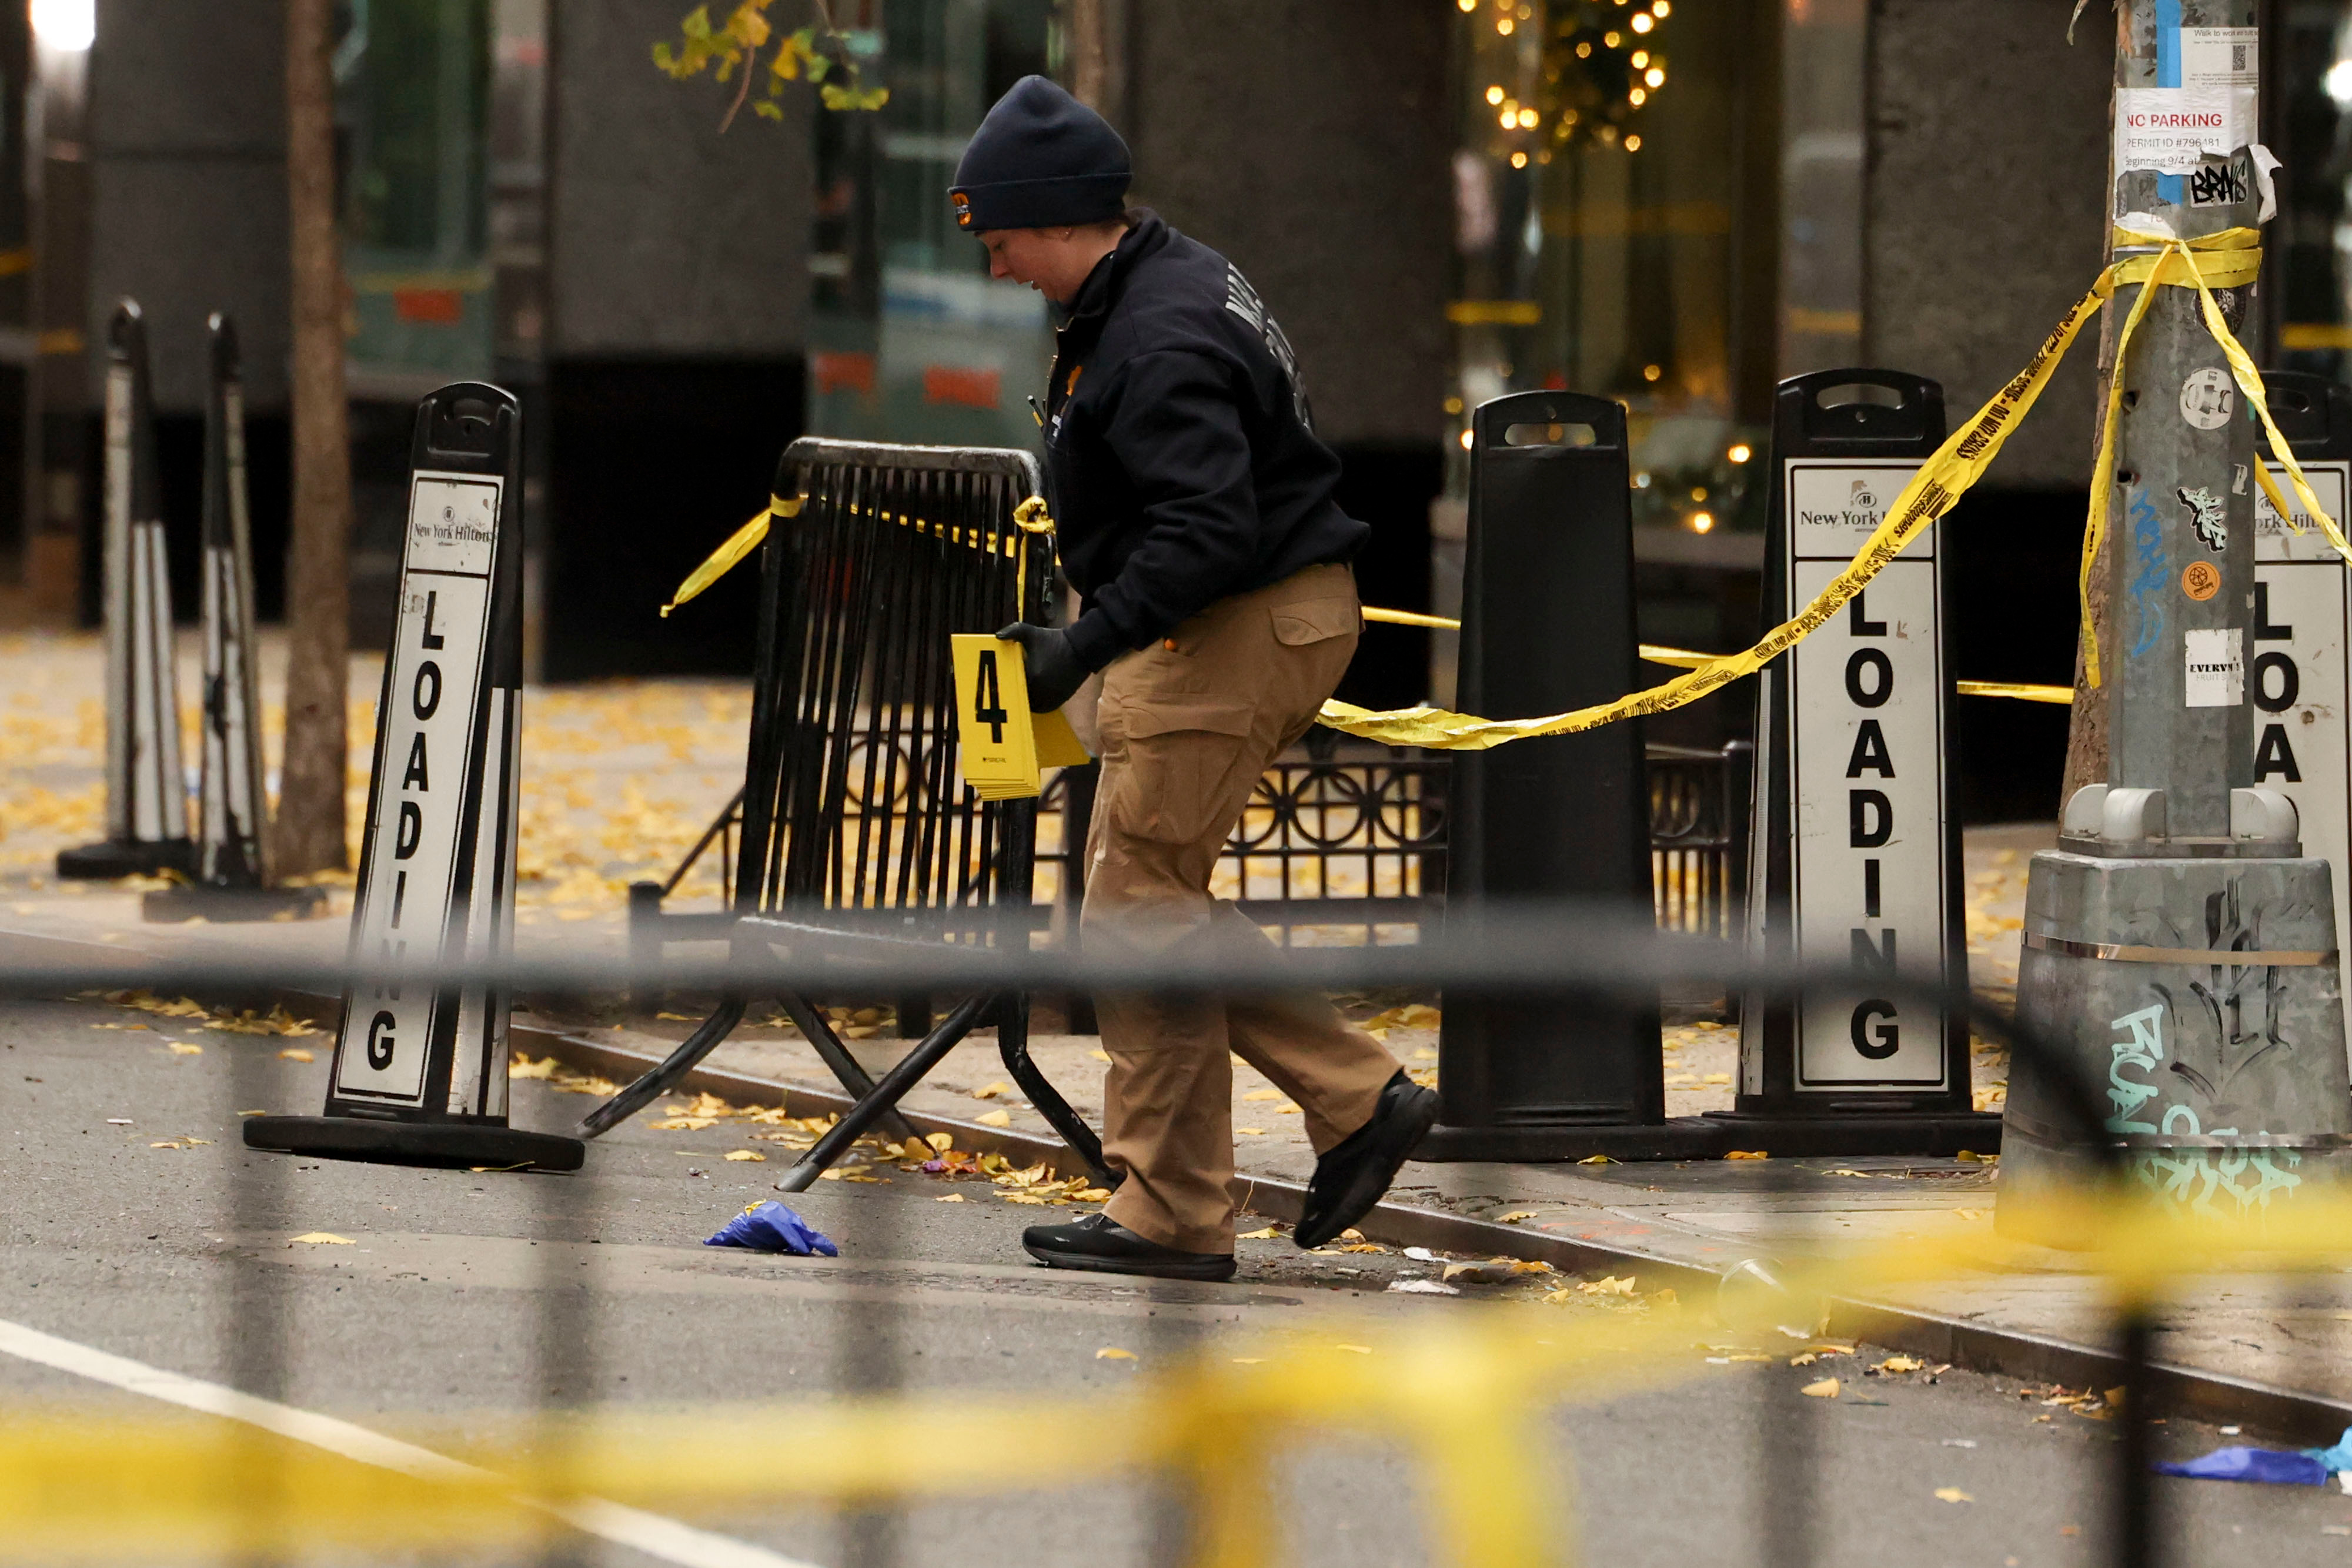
[
  {"x": 1468, "y": 1393},
  {"x": 2222, "y": 260}
]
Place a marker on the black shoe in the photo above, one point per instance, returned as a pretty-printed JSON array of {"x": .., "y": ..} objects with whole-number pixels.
[
  {"x": 1101, "y": 1245},
  {"x": 1356, "y": 1171}
]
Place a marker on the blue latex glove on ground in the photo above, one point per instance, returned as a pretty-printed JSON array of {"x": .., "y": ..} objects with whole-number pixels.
[
  {"x": 772, "y": 1227},
  {"x": 2277, "y": 1466}
]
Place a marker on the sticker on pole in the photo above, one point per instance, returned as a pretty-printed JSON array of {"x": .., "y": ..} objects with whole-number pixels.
[
  {"x": 2217, "y": 667},
  {"x": 1005, "y": 747}
]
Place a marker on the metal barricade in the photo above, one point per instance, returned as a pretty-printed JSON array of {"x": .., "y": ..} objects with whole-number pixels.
[{"x": 854, "y": 826}]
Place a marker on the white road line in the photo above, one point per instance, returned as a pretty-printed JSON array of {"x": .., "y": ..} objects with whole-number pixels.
[{"x": 650, "y": 1533}]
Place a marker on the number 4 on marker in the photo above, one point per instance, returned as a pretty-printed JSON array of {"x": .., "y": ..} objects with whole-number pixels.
[{"x": 988, "y": 699}]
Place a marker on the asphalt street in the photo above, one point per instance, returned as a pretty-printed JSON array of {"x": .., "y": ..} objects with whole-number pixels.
[{"x": 467, "y": 1298}]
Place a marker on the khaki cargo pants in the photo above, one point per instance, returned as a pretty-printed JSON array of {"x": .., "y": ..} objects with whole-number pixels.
[{"x": 1187, "y": 727}]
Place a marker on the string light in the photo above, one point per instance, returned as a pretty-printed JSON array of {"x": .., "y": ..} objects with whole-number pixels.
[
  {"x": 1740, "y": 452},
  {"x": 1518, "y": 160},
  {"x": 1503, "y": 25},
  {"x": 1637, "y": 98},
  {"x": 1467, "y": 5},
  {"x": 1641, "y": 57},
  {"x": 1652, "y": 373},
  {"x": 1633, "y": 143},
  {"x": 1612, "y": 38},
  {"x": 1661, "y": 9},
  {"x": 1584, "y": 50},
  {"x": 1655, "y": 77},
  {"x": 1642, "y": 22},
  {"x": 1495, "y": 93},
  {"x": 1527, "y": 118},
  {"x": 1701, "y": 522}
]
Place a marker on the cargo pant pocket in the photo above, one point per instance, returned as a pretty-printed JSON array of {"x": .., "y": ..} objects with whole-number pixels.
[{"x": 1182, "y": 757}]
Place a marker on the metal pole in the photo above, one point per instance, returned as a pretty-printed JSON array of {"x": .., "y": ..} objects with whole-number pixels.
[
  {"x": 2178, "y": 943},
  {"x": 2184, "y": 491}
]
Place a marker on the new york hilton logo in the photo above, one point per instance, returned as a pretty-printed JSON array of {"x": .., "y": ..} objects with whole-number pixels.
[{"x": 1863, "y": 510}]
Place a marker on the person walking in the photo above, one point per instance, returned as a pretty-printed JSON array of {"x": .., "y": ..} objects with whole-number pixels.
[{"x": 1193, "y": 510}]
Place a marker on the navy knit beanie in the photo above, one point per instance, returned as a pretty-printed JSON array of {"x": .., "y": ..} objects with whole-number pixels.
[{"x": 1040, "y": 160}]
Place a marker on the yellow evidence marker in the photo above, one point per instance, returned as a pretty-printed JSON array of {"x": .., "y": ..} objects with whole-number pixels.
[{"x": 1005, "y": 749}]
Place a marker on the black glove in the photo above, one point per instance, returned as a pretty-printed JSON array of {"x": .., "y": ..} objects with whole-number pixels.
[{"x": 1053, "y": 668}]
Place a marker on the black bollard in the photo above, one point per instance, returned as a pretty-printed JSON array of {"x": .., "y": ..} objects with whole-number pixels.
[
  {"x": 146, "y": 793},
  {"x": 1856, "y": 836},
  {"x": 420, "y": 1069},
  {"x": 1547, "y": 626}
]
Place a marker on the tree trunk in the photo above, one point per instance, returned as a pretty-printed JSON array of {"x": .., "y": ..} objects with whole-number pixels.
[{"x": 309, "y": 830}]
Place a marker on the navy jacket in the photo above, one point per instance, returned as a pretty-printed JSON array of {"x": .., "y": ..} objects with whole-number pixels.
[{"x": 1179, "y": 456}]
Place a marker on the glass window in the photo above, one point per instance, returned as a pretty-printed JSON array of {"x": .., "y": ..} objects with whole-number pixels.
[
  {"x": 411, "y": 97},
  {"x": 1598, "y": 209},
  {"x": 911, "y": 339},
  {"x": 2310, "y": 63}
]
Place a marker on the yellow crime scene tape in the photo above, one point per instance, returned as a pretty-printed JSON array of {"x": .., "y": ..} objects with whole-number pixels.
[
  {"x": 2025, "y": 691},
  {"x": 1029, "y": 517},
  {"x": 1469, "y": 1396},
  {"x": 2222, "y": 260}
]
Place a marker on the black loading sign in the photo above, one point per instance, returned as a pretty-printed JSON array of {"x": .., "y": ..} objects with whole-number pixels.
[
  {"x": 1867, "y": 779},
  {"x": 436, "y": 882}
]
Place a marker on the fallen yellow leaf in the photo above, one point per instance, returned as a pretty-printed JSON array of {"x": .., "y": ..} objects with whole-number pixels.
[
  {"x": 1952, "y": 1494},
  {"x": 325, "y": 1238},
  {"x": 295, "y": 1054},
  {"x": 1352, "y": 1234},
  {"x": 1514, "y": 1216},
  {"x": 951, "y": 1197},
  {"x": 1827, "y": 1388},
  {"x": 1268, "y": 1234},
  {"x": 746, "y": 1155},
  {"x": 1608, "y": 1285},
  {"x": 1596, "y": 1160},
  {"x": 1264, "y": 1094},
  {"x": 517, "y": 1065},
  {"x": 1099, "y": 1055},
  {"x": 990, "y": 1091},
  {"x": 994, "y": 1118},
  {"x": 942, "y": 1141},
  {"x": 182, "y": 1048},
  {"x": 1112, "y": 1353},
  {"x": 1250, "y": 1132},
  {"x": 1807, "y": 1359},
  {"x": 1748, "y": 1155},
  {"x": 1901, "y": 1364}
]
